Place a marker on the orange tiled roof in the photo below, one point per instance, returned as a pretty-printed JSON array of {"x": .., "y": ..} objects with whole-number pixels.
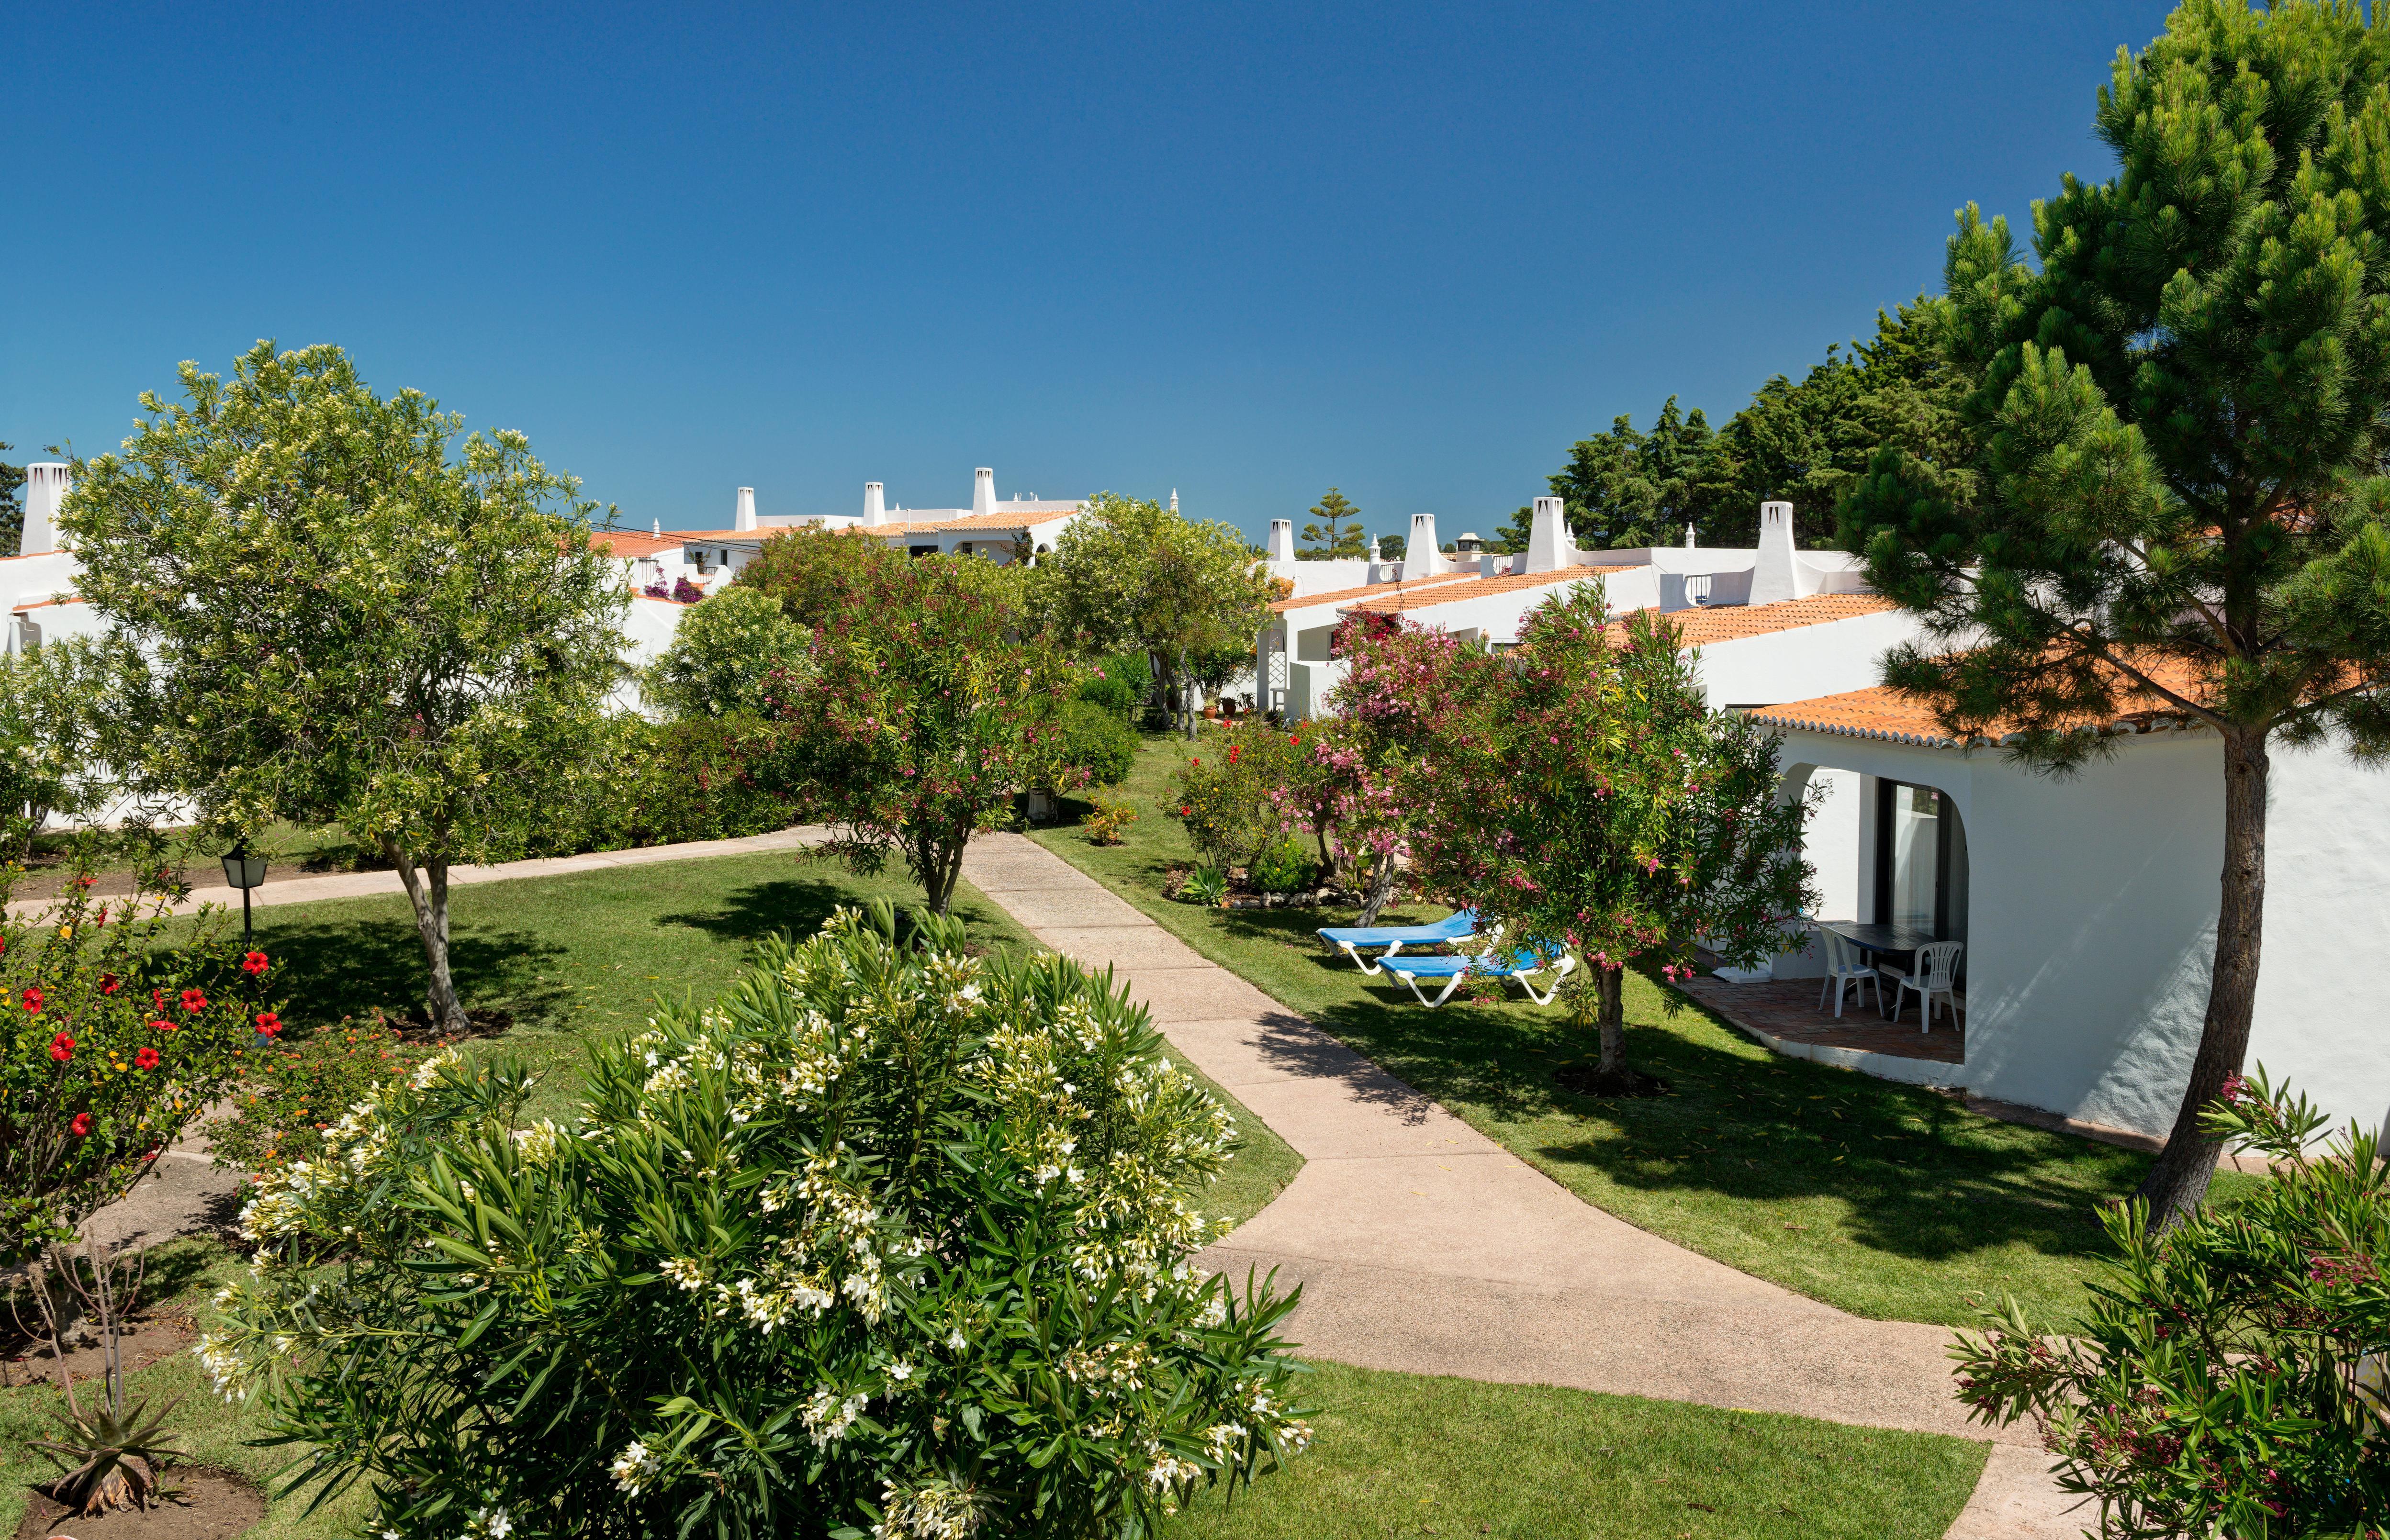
[
  {"x": 968, "y": 521},
  {"x": 1883, "y": 712},
  {"x": 1477, "y": 588},
  {"x": 630, "y": 543},
  {"x": 1338, "y": 596},
  {"x": 1733, "y": 623}
]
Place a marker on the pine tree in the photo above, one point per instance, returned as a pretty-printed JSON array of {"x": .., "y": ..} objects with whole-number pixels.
[
  {"x": 12, "y": 504},
  {"x": 1337, "y": 535},
  {"x": 2164, "y": 484}
]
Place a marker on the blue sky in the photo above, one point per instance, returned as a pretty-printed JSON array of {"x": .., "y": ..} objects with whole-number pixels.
[{"x": 1247, "y": 251}]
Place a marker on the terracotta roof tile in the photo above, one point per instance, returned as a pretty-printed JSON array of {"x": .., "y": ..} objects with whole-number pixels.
[
  {"x": 1734, "y": 621},
  {"x": 632, "y": 543},
  {"x": 1338, "y": 596},
  {"x": 1883, "y": 712},
  {"x": 1477, "y": 588}
]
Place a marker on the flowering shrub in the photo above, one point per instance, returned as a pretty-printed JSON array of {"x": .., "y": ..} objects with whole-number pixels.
[
  {"x": 1578, "y": 791},
  {"x": 294, "y": 1092},
  {"x": 111, "y": 1043},
  {"x": 887, "y": 1239},
  {"x": 1282, "y": 868},
  {"x": 924, "y": 712},
  {"x": 686, "y": 591},
  {"x": 1227, "y": 796},
  {"x": 2228, "y": 1376}
]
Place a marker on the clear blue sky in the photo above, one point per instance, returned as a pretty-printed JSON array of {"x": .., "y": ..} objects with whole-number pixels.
[{"x": 1245, "y": 250}]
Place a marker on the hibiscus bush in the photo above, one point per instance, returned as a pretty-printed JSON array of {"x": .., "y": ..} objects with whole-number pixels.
[
  {"x": 2228, "y": 1377},
  {"x": 887, "y": 1241},
  {"x": 1229, "y": 797},
  {"x": 111, "y": 1042},
  {"x": 295, "y": 1089}
]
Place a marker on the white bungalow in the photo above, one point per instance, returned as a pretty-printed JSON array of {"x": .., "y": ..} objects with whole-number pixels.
[
  {"x": 2087, "y": 905},
  {"x": 999, "y": 528}
]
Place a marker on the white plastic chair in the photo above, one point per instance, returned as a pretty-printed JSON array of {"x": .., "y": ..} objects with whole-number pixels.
[
  {"x": 1937, "y": 967},
  {"x": 1845, "y": 965}
]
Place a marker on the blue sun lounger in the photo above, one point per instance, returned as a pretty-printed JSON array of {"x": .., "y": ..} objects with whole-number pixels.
[
  {"x": 1459, "y": 926},
  {"x": 1514, "y": 965}
]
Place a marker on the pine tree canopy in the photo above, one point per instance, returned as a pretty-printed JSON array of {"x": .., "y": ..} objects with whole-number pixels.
[{"x": 1337, "y": 534}]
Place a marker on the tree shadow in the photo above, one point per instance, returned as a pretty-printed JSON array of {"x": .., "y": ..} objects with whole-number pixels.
[
  {"x": 798, "y": 907},
  {"x": 1919, "y": 1176},
  {"x": 330, "y": 968}
]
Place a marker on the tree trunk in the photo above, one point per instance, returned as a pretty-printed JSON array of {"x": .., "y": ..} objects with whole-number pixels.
[
  {"x": 2178, "y": 1181},
  {"x": 1185, "y": 693},
  {"x": 940, "y": 870},
  {"x": 1382, "y": 888},
  {"x": 1613, "y": 1021},
  {"x": 427, "y": 890}
]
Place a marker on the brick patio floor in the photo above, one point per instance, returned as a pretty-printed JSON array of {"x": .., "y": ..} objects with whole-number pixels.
[{"x": 1788, "y": 1009}]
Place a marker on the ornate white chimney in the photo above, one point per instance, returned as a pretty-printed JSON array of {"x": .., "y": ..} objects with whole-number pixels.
[
  {"x": 45, "y": 485},
  {"x": 1771, "y": 576},
  {"x": 745, "y": 517},
  {"x": 983, "y": 490},
  {"x": 1421, "y": 556},
  {"x": 1548, "y": 546},
  {"x": 1281, "y": 545},
  {"x": 875, "y": 508}
]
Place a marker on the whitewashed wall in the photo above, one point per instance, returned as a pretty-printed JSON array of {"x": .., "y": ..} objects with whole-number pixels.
[{"x": 2092, "y": 908}]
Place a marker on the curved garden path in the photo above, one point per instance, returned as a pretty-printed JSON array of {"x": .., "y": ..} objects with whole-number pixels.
[{"x": 1425, "y": 1247}]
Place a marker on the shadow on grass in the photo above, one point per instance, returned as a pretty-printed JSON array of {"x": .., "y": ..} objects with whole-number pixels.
[
  {"x": 798, "y": 907},
  {"x": 328, "y": 970},
  {"x": 1919, "y": 1175}
]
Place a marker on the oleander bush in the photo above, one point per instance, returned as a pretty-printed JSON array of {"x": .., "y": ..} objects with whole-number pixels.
[
  {"x": 1095, "y": 743},
  {"x": 887, "y": 1241},
  {"x": 2227, "y": 1376}
]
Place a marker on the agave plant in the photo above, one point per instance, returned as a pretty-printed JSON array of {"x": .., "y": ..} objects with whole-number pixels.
[{"x": 107, "y": 1460}]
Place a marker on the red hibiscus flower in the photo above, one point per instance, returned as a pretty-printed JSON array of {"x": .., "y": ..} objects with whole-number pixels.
[
  {"x": 194, "y": 1001},
  {"x": 82, "y": 1125},
  {"x": 33, "y": 999},
  {"x": 110, "y": 983},
  {"x": 62, "y": 1048},
  {"x": 163, "y": 1025},
  {"x": 268, "y": 1023},
  {"x": 86, "y": 882},
  {"x": 147, "y": 1059},
  {"x": 254, "y": 964},
  {"x": 157, "y": 999}
]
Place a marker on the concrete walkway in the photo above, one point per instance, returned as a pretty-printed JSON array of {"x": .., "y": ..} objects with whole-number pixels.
[
  {"x": 307, "y": 890},
  {"x": 1425, "y": 1247}
]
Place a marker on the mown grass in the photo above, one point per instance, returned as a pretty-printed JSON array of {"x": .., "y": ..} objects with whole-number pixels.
[
  {"x": 1422, "y": 1455},
  {"x": 1890, "y": 1201}
]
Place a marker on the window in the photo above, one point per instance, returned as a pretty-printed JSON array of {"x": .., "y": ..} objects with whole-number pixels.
[
  {"x": 1916, "y": 850},
  {"x": 921, "y": 550}
]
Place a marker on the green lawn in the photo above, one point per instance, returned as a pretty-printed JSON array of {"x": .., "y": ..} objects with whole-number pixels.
[
  {"x": 1887, "y": 1200},
  {"x": 1407, "y": 1454}
]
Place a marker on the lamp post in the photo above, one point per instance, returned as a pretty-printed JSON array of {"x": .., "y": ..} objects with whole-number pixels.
[{"x": 244, "y": 871}]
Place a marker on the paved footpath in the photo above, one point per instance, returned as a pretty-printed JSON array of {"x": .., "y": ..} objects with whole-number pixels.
[
  {"x": 307, "y": 890},
  {"x": 1425, "y": 1247}
]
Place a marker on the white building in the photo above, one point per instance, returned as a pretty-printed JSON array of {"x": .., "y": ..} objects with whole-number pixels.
[
  {"x": 999, "y": 528},
  {"x": 2088, "y": 905},
  {"x": 1486, "y": 595}
]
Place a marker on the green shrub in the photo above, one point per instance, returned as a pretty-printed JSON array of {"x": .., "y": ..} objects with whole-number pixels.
[
  {"x": 726, "y": 650},
  {"x": 1232, "y": 797},
  {"x": 1097, "y": 742},
  {"x": 666, "y": 783},
  {"x": 1119, "y": 684},
  {"x": 1105, "y": 821},
  {"x": 2227, "y": 1378},
  {"x": 1282, "y": 868},
  {"x": 887, "y": 1238}
]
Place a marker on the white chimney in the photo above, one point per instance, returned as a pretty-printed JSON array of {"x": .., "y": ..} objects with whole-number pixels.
[
  {"x": 1689, "y": 537},
  {"x": 45, "y": 484},
  {"x": 1771, "y": 575},
  {"x": 1282, "y": 545},
  {"x": 1548, "y": 546},
  {"x": 875, "y": 509},
  {"x": 660, "y": 529},
  {"x": 745, "y": 519},
  {"x": 983, "y": 490},
  {"x": 1174, "y": 499},
  {"x": 1421, "y": 556}
]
